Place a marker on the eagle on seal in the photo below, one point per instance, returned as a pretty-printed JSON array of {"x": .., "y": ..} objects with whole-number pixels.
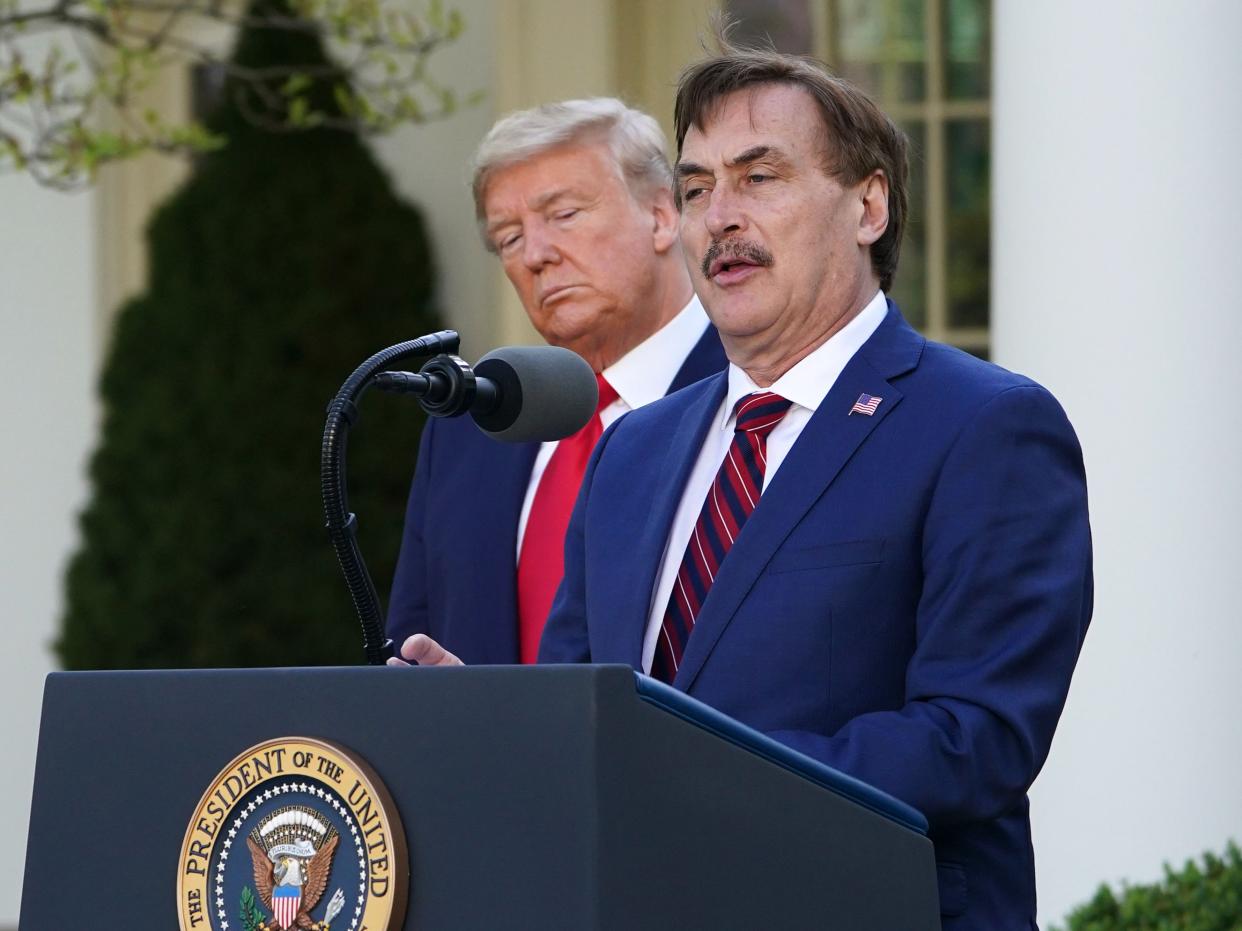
[{"x": 311, "y": 878}]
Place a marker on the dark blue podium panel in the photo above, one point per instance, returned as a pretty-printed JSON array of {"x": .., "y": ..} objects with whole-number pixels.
[{"x": 547, "y": 797}]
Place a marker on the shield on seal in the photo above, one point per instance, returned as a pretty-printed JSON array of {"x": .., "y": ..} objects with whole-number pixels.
[{"x": 285, "y": 902}]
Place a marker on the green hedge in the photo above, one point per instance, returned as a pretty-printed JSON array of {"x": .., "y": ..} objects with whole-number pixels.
[
  {"x": 1203, "y": 896},
  {"x": 283, "y": 262}
]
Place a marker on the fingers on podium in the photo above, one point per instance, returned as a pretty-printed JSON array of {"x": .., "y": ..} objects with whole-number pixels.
[{"x": 424, "y": 651}]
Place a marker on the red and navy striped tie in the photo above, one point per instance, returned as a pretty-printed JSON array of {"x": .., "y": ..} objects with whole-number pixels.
[{"x": 733, "y": 496}]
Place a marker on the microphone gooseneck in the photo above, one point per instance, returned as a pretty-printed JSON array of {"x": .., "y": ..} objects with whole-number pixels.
[{"x": 341, "y": 524}]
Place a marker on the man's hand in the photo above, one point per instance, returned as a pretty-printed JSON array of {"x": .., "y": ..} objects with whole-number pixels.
[{"x": 424, "y": 651}]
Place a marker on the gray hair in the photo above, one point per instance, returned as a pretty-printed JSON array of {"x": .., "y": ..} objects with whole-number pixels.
[{"x": 635, "y": 139}]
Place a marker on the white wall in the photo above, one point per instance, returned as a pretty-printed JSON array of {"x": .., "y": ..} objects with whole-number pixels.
[
  {"x": 1117, "y": 249},
  {"x": 47, "y": 376}
]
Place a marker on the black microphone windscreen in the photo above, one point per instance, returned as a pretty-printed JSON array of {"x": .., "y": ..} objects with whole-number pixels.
[{"x": 546, "y": 393}]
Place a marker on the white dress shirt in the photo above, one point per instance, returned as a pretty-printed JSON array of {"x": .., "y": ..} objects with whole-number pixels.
[
  {"x": 806, "y": 385},
  {"x": 641, "y": 376}
]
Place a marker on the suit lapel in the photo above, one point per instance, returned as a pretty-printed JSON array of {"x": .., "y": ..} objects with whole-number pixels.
[
  {"x": 667, "y": 480},
  {"x": 826, "y": 445}
]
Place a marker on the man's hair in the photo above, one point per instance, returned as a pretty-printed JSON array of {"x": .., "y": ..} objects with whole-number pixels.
[
  {"x": 860, "y": 138},
  {"x": 635, "y": 139}
]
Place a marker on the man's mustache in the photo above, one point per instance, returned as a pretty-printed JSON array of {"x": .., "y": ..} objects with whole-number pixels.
[{"x": 735, "y": 249}]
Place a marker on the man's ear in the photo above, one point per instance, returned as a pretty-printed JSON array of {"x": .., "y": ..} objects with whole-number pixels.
[
  {"x": 665, "y": 221},
  {"x": 874, "y": 217}
]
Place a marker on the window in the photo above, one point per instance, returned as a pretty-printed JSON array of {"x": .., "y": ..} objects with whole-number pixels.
[{"x": 928, "y": 64}]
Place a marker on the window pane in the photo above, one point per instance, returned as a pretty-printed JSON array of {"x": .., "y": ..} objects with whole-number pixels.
[
  {"x": 908, "y": 20},
  {"x": 967, "y": 167},
  {"x": 882, "y": 47},
  {"x": 911, "y": 82},
  {"x": 860, "y": 30},
  {"x": 910, "y": 284},
  {"x": 967, "y": 49},
  {"x": 860, "y": 39},
  {"x": 910, "y": 50},
  {"x": 784, "y": 24}
]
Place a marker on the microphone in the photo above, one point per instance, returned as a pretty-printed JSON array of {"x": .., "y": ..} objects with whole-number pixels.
[
  {"x": 541, "y": 393},
  {"x": 515, "y": 394}
]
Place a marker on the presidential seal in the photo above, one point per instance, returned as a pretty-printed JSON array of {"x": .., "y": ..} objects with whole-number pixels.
[{"x": 294, "y": 833}]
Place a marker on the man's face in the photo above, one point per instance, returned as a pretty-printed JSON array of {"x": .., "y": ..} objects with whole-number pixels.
[
  {"x": 778, "y": 250},
  {"x": 580, "y": 250}
]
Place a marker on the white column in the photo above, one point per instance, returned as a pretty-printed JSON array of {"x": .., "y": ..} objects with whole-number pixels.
[
  {"x": 1117, "y": 282},
  {"x": 48, "y": 353}
]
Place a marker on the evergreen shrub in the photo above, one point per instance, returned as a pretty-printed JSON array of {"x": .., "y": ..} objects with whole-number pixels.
[
  {"x": 283, "y": 262},
  {"x": 1199, "y": 897}
]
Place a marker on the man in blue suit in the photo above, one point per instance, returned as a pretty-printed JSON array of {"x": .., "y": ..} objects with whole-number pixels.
[
  {"x": 575, "y": 198},
  {"x": 869, "y": 546}
]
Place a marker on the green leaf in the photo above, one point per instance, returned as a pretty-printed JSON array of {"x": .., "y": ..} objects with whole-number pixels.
[
  {"x": 195, "y": 137},
  {"x": 435, "y": 15},
  {"x": 12, "y": 147},
  {"x": 296, "y": 84},
  {"x": 408, "y": 108},
  {"x": 344, "y": 99},
  {"x": 299, "y": 107}
]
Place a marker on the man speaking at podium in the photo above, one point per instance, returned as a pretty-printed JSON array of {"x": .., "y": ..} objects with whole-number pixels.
[
  {"x": 576, "y": 200},
  {"x": 869, "y": 546}
]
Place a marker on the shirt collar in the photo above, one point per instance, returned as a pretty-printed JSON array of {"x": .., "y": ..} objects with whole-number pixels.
[
  {"x": 644, "y": 373},
  {"x": 808, "y": 382}
]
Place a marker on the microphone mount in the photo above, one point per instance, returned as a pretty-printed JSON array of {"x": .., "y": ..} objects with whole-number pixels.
[{"x": 446, "y": 386}]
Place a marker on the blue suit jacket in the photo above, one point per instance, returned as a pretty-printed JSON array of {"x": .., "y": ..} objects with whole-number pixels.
[
  {"x": 456, "y": 572},
  {"x": 906, "y": 603}
]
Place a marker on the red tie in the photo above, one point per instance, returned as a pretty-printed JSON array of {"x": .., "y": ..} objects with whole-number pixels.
[
  {"x": 730, "y": 501},
  {"x": 541, "y": 563}
]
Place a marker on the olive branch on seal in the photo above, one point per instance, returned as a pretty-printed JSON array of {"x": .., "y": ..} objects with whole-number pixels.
[{"x": 250, "y": 914}]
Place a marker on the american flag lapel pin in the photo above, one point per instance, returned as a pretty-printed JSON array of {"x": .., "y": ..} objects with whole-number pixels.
[{"x": 866, "y": 404}]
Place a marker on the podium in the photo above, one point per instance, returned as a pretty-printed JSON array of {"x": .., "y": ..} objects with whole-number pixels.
[{"x": 563, "y": 797}]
